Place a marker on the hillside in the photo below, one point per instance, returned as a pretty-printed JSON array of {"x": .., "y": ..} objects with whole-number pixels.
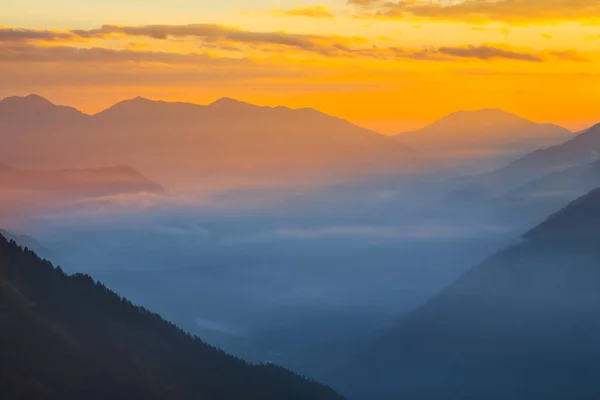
[
  {"x": 522, "y": 325},
  {"x": 68, "y": 337}
]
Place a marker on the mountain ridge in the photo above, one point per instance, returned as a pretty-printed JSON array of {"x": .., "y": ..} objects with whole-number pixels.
[
  {"x": 521, "y": 324},
  {"x": 46, "y": 315}
]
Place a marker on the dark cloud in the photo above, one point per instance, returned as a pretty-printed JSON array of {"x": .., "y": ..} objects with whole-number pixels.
[
  {"x": 19, "y": 46},
  {"x": 33, "y": 53},
  {"x": 488, "y": 53},
  {"x": 22, "y": 35}
]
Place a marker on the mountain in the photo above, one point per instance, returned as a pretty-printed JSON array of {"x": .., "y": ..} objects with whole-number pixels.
[
  {"x": 68, "y": 337},
  {"x": 562, "y": 186},
  {"x": 524, "y": 324},
  {"x": 78, "y": 182},
  {"x": 481, "y": 134},
  {"x": 582, "y": 149},
  {"x": 30, "y": 243},
  {"x": 35, "y": 109},
  {"x": 171, "y": 140}
]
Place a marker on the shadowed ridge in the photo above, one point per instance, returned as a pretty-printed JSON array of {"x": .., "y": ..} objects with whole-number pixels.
[
  {"x": 581, "y": 149},
  {"x": 574, "y": 227},
  {"x": 70, "y": 337},
  {"x": 523, "y": 324}
]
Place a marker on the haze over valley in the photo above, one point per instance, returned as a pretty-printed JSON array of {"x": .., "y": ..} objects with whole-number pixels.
[
  {"x": 295, "y": 200},
  {"x": 305, "y": 261}
]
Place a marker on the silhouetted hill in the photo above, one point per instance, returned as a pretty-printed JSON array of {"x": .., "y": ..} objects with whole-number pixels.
[
  {"x": 68, "y": 337},
  {"x": 484, "y": 133},
  {"x": 522, "y": 325},
  {"x": 79, "y": 182},
  {"x": 225, "y": 138},
  {"x": 582, "y": 149}
]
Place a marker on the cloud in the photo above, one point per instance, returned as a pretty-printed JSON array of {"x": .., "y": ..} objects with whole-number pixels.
[
  {"x": 427, "y": 230},
  {"x": 568, "y": 55},
  {"x": 23, "y": 35},
  {"x": 213, "y": 36},
  {"x": 518, "y": 12},
  {"x": 33, "y": 53},
  {"x": 311, "y": 12},
  {"x": 488, "y": 53}
]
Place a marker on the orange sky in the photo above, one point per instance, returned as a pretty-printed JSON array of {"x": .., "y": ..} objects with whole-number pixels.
[{"x": 384, "y": 65}]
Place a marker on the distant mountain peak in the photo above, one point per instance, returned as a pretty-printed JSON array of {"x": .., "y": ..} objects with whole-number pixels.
[
  {"x": 29, "y": 100},
  {"x": 24, "y": 106},
  {"x": 228, "y": 102}
]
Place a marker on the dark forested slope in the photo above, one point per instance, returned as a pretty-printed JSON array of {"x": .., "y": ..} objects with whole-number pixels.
[
  {"x": 69, "y": 337},
  {"x": 525, "y": 324}
]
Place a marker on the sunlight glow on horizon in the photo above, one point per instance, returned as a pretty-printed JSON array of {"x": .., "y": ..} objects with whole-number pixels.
[{"x": 389, "y": 74}]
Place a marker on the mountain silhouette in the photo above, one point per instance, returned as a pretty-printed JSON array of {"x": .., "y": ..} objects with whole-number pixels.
[
  {"x": 227, "y": 137},
  {"x": 582, "y": 149},
  {"x": 524, "y": 324},
  {"x": 562, "y": 185},
  {"x": 484, "y": 133},
  {"x": 79, "y": 182},
  {"x": 35, "y": 109},
  {"x": 69, "y": 337}
]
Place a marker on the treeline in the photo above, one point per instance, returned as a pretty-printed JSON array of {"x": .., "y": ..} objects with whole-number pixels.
[{"x": 70, "y": 337}]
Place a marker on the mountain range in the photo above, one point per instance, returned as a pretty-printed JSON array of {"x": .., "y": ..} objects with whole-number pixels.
[
  {"x": 227, "y": 137},
  {"x": 524, "y": 324},
  {"x": 233, "y": 138},
  {"x": 69, "y": 337},
  {"x": 582, "y": 149}
]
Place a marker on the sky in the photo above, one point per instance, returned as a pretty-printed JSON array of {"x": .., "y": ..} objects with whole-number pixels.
[{"x": 390, "y": 66}]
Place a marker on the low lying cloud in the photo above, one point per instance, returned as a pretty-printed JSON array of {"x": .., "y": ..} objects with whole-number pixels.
[
  {"x": 425, "y": 231},
  {"x": 517, "y": 12}
]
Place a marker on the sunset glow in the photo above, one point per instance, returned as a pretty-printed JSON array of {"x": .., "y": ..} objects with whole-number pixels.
[{"x": 386, "y": 67}]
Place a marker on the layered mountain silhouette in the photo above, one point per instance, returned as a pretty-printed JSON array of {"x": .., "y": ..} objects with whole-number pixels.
[
  {"x": 227, "y": 137},
  {"x": 78, "y": 182},
  {"x": 522, "y": 325},
  {"x": 484, "y": 133},
  {"x": 582, "y": 149},
  {"x": 562, "y": 185},
  {"x": 29, "y": 242},
  {"x": 69, "y": 337}
]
